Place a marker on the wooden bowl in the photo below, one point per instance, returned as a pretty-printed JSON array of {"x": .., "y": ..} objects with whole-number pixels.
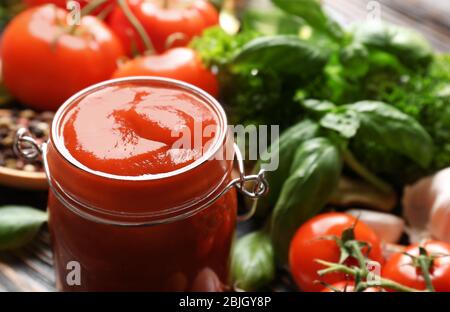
[{"x": 23, "y": 179}]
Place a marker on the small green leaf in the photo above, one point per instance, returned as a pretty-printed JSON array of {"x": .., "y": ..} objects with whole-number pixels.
[
  {"x": 216, "y": 47},
  {"x": 423, "y": 251},
  {"x": 345, "y": 122},
  {"x": 385, "y": 125},
  {"x": 348, "y": 234},
  {"x": 272, "y": 22},
  {"x": 18, "y": 225},
  {"x": 355, "y": 60},
  {"x": 311, "y": 11},
  {"x": 318, "y": 106},
  {"x": 344, "y": 255},
  {"x": 408, "y": 45},
  {"x": 253, "y": 264},
  {"x": 285, "y": 54}
]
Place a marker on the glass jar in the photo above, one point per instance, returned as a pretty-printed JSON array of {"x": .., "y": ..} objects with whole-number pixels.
[{"x": 165, "y": 232}]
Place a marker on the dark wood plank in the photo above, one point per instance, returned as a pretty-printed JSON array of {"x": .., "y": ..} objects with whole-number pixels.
[
  {"x": 29, "y": 268},
  {"x": 428, "y": 11},
  {"x": 350, "y": 11}
]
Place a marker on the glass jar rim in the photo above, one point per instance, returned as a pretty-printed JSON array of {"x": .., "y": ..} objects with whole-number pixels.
[{"x": 206, "y": 98}]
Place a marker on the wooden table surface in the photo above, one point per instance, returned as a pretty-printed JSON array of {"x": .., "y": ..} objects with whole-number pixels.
[{"x": 30, "y": 268}]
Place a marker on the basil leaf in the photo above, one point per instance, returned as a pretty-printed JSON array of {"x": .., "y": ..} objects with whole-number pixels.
[
  {"x": 271, "y": 22},
  {"x": 313, "y": 179},
  {"x": 311, "y": 11},
  {"x": 409, "y": 46},
  {"x": 19, "y": 225},
  {"x": 385, "y": 125},
  {"x": 344, "y": 121},
  {"x": 252, "y": 262},
  {"x": 355, "y": 59},
  {"x": 282, "y": 153},
  {"x": 318, "y": 107},
  {"x": 285, "y": 54}
]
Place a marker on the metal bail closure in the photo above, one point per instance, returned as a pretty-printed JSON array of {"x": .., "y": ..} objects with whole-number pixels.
[
  {"x": 259, "y": 186},
  {"x": 25, "y": 146},
  {"x": 252, "y": 186}
]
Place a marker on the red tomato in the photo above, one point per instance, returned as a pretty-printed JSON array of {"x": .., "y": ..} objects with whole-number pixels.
[
  {"x": 400, "y": 267},
  {"x": 347, "y": 286},
  {"x": 160, "y": 22},
  {"x": 60, "y": 3},
  {"x": 179, "y": 63},
  {"x": 309, "y": 244},
  {"x": 109, "y": 5},
  {"x": 44, "y": 63}
]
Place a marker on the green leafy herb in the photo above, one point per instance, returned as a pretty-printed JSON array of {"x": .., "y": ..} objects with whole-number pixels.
[
  {"x": 311, "y": 11},
  {"x": 216, "y": 47},
  {"x": 409, "y": 46},
  {"x": 344, "y": 121},
  {"x": 314, "y": 176},
  {"x": 18, "y": 225},
  {"x": 426, "y": 98},
  {"x": 355, "y": 59},
  {"x": 317, "y": 107},
  {"x": 283, "y": 152},
  {"x": 273, "y": 22},
  {"x": 285, "y": 54},
  {"x": 253, "y": 262},
  {"x": 394, "y": 130}
]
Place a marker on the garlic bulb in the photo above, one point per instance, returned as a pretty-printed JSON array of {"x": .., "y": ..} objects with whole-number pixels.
[
  {"x": 426, "y": 207},
  {"x": 388, "y": 227}
]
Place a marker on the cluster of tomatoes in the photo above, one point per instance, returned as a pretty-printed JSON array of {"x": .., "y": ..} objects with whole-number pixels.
[
  {"x": 316, "y": 239},
  {"x": 46, "y": 58}
]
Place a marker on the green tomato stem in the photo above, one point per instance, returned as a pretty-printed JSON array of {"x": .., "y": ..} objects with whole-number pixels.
[
  {"x": 356, "y": 166},
  {"x": 333, "y": 268},
  {"x": 425, "y": 268},
  {"x": 360, "y": 257},
  {"x": 137, "y": 26},
  {"x": 91, "y": 6},
  {"x": 387, "y": 283},
  {"x": 383, "y": 282}
]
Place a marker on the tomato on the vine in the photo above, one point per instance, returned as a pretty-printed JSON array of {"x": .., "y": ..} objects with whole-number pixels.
[
  {"x": 162, "y": 21},
  {"x": 314, "y": 240},
  {"x": 179, "y": 63},
  {"x": 347, "y": 286},
  {"x": 402, "y": 268},
  {"x": 60, "y": 3},
  {"x": 45, "y": 60},
  {"x": 107, "y": 7}
]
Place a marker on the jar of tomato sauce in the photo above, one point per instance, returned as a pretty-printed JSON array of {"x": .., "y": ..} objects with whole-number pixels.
[{"x": 141, "y": 189}]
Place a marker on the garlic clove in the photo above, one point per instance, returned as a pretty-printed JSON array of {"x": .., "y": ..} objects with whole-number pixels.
[
  {"x": 388, "y": 227},
  {"x": 426, "y": 207}
]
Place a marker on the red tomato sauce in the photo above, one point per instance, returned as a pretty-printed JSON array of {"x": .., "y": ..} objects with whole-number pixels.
[
  {"x": 112, "y": 161},
  {"x": 136, "y": 131}
]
